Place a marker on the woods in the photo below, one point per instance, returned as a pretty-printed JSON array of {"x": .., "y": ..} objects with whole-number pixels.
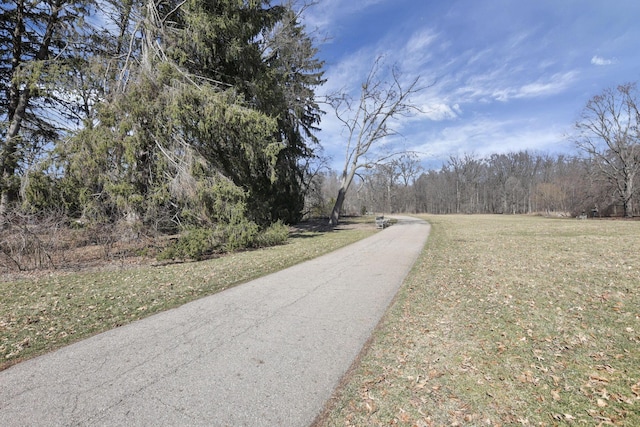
[
  {"x": 601, "y": 179},
  {"x": 521, "y": 182}
]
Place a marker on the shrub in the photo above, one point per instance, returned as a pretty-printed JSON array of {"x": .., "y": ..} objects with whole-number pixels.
[
  {"x": 194, "y": 243},
  {"x": 276, "y": 234},
  {"x": 198, "y": 242},
  {"x": 30, "y": 241},
  {"x": 239, "y": 235}
]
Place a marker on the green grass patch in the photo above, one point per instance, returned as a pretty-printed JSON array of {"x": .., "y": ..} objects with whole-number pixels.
[
  {"x": 45, "y": 313},
  {"x": 508, "y": 320}
]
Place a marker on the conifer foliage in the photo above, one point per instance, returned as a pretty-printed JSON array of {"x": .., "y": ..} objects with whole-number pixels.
[{"x": 168, "y": 113}]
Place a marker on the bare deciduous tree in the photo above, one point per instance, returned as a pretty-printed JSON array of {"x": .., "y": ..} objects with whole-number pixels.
[
  {"x": 367, "y": 123},
  {"x": 608, "y": 132},
  {"x": 407, "y": 168}
]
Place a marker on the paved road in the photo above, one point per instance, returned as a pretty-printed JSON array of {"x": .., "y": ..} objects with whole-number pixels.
[{"x": 266, "y": 353}]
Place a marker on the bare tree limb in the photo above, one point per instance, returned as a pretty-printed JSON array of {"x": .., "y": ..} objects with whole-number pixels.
[{"x": 368, "y": 122}]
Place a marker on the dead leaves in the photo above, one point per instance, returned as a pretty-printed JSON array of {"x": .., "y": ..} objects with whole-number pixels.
[
  {"x": 635, "y": 389},
  {"x": 598, "y": 379},
  {"x": 528, "y": 377},
  {"x": 564, "y": 417}
]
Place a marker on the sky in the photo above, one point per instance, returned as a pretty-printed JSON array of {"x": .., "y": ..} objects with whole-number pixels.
[{"x": 501, "y": 75}]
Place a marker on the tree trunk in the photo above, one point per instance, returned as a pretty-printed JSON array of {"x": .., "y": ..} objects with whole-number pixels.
[
  {"x": 8, "y": 154},
  {"x": 337, "y": 207},
  {"x": 628, "y": 211},
  {"x": 4, "y": 203},
  {"x": 628, "y": 195}
]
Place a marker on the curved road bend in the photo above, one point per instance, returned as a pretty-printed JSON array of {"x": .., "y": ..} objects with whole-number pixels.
[{"x": 266, "y": 353}]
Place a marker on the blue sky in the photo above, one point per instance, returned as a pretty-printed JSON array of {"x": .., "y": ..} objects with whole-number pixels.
[{"x": 507, "y": 75}]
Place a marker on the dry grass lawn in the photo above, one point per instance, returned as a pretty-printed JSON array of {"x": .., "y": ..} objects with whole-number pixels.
[
  {"x": 504, "y": 320},
  {"x": 508, "y": 320}
]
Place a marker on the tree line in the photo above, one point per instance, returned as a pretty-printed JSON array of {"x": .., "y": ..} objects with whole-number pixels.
[
  {"x": 522, "y": 182},
  {"x": 601, "y": 179}
]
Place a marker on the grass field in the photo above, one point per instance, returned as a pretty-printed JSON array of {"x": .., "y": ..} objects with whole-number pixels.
[
  {"x": 508, "y": 320},
  {"x": 43, "y": 313},
  {"x": 504, "y": 320}
]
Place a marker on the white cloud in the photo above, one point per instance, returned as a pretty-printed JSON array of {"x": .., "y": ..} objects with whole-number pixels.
[
  {"x": 349, "y": 74},
  {"x": 557, "y": 83},
  {"x": 485, "y": 137},
  {"x": 598, "y": 60},
  {"x": 420, "y": 40},
  {"x": 475, "y": 56},
  {"x": 439, "y": 111},
  {"x": 501, "y": 85},
  {"x": 416, "y": 54}
]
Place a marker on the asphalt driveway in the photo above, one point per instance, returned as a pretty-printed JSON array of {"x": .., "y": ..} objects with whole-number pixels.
[{"x": 266, "y": 353}]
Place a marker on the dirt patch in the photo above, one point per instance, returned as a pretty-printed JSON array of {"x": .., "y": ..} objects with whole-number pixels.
[
  {"x": 83, "y": 259},
  {"x": 321, "y": 225}
]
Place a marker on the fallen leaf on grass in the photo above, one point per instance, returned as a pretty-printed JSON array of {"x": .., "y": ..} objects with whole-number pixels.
[
  {"x": 562, "y": 417},
  {"x": 597, "y": 416},
  {"x": 598, "y": 378},
  {"x": 527, "y": 377},
  {"x": 433, "y": 373},
  {"x": 371, "y": 407},
  {"x": 635, "y": 389},
  {"x": 607, "y": 368},
  {"x": 404, "y": 417}
]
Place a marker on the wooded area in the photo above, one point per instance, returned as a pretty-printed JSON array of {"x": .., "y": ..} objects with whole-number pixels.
[
  {"x": 601, "y": 180},
  {"x": 513, "y": 183}
]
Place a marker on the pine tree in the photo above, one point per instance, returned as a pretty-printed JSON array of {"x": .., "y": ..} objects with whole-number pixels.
[{"x": 38, "y": 41}]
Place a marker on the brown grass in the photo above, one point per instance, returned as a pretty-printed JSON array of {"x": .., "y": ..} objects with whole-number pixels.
[{"x": 508, "y": 320}]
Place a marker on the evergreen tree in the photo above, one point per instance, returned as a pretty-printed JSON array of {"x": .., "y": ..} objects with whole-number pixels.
[
  {"x": 39, "y": 41},
  {"x": 292, "y": 74},
  {"x": 264, "y": 54},
  {"x": 180, "y": 97},
  {"x": 171, "y": 127}
]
